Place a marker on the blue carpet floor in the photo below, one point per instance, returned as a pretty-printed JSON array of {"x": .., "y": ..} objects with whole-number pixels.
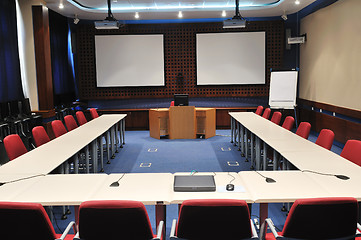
[{"x": 143, "y": 154}]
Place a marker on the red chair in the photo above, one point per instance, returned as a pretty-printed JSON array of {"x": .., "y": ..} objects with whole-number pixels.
[
  {"x": 58, "y": 128},
  {"x": 352, "y": 151},
  {"x": 172, "y": 103},
  {"x": 40, "y": 136},
  {"x": 259, "y": 110},
  {"x": 93, "y": 113},
  {"x": 80, "y": 117},
  {"x": 29, "y": 221},
  {"x": 325, "y": 138},
  {"x": 288, "y": 123},
  {"x": 115, "y": 219},
  {"x": 213, "y": 219},
  {"x": 70, "y": 122},
  {"x": 14, "y": 146},
  {"x": 304, "y": 129},
  {"x": 266, "y": 113},
  {"x": 276, "y": 117},
  {"x": 319, "y": 218}
]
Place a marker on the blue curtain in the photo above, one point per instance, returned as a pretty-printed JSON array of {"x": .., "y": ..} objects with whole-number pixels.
[
  {"x": 62, "y": 66},
  {"x": 10, "y": 78}
]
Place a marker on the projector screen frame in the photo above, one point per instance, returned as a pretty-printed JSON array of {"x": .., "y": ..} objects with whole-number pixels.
[
  {"x": 233, "y": 84},
  {"x": 163, "y": 85}
]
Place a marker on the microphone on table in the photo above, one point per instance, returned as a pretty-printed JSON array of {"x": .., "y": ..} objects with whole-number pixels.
[
  {"x": 20, "y": 179},
  {"x": 268, "y": 179},
  {"x": 339, "y": 176},
  {"x": 116, "y": 183}
]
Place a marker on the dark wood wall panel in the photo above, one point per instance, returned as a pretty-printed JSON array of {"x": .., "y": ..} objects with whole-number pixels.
[
  {"x": 43, "y": 57},
  {"x": 138, "y": 119},
  {"x": 343, "y": 129},
  {"x": 180, "y": 60}
]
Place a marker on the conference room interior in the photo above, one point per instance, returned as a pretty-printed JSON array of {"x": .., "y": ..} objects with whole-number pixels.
[{"x": 54, "y": 66}]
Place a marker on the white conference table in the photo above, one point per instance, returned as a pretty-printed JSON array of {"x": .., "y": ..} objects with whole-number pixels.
[
  {"x": 157, "y": 188},
  {"x": 73, "y": 189},
  {"x": 49, "y": 156},
  {"x": 293, "y": 185},
  {"x": 301, "y": 152}
]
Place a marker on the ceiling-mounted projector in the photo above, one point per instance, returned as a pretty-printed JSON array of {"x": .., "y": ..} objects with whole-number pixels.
[
  {"x": 234, "y": 23},
  {"x": 105, "y": 24},
  {"x": 237, "y": 21},
  {"x": 109, "y": 22}
]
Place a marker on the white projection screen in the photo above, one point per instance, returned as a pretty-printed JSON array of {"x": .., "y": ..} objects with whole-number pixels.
[
  {"x": 231, "y": 58},
  {"x": 129, "y": 60}
]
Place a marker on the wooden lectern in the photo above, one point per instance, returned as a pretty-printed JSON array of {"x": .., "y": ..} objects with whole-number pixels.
[{"x": 180, "y": 122}]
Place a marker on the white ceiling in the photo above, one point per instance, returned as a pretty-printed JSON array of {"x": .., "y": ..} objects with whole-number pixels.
[{"x": 169, "y": 9}]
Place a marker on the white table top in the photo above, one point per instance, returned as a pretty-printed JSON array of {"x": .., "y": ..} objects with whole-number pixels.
[
  {"x": 9, "y": 191},
  {"x": 47, "y": 157},
  {"x": 61, "y": 189},
  {"x": 289, "y": 186},
  {"x": 322, "y": 161},
  {"x": 301, "y": 152},
  {"x": 157, "y": 188},
  {"x": 148, "y": 188}
]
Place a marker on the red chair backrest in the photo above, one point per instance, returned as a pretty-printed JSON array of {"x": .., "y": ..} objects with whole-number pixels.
[
  {"x": 93, "y": 113},
  {"x": 322, "y": 218},
  {"x": 214, "y": 219},
  {"x": 70, "y": 122},
  {"x": 40, "y": 136},
  {"x": 259, "y": 110},
  {"x": 81, "y": 117},
  {"x": 325, "y": 138},
  {"x": 22, "y": 220},
  {"x": 266, "y": 113},
  {"x": 122, "y": 219},
  {"x": 276, "y": 117},
  {"x": 352, "y": 151},
  {"x": 14, "y": 146},
  {"x": 304, "y": 129},
  {"x": 58, "y": 128},
  {"x": 288, "y": 123}
]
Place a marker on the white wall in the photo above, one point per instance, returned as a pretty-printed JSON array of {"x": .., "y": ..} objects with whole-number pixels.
[
  {"x": 330, "y": 60},
  {"x": 26, "y": 49}
]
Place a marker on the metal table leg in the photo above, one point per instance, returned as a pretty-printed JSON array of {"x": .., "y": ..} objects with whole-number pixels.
[
  {"x": 232, "y": 129},
  {"x": 101, "y": 150},
  {"x": 94, "y": 156}
]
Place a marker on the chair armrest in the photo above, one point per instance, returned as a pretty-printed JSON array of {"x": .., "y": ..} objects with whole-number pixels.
[
  {"x": 254, "y": 232},
  {"x": 66, "y": 231},
  {"x": 358, "y": 230},
  {"x": 76, "y": 237},
  {"x": 273, "y": 228},
  {"x": 172, "y": 230},
  {"x": 268, "y": 222},
  {"x": 159, "y": 231}
]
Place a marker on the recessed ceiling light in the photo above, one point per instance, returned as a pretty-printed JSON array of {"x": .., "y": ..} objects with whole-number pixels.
[
  {"x": 136, "y": 15},
  {"x": 61, "y": 6},
  {"x": 297, "y": 2},
  {"x": 224, "y": 13},
  {"x": 180, "y": 14}
]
